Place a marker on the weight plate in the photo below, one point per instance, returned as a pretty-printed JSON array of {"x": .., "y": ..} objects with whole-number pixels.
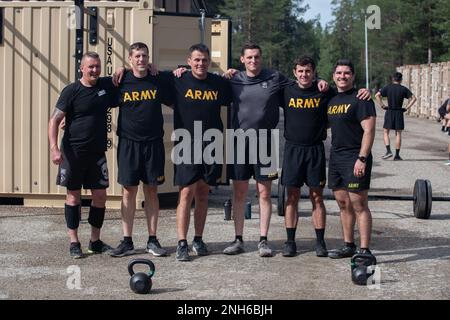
[
  {"x": 420, "y": 199},
  {"x": 429, "y": 199}
]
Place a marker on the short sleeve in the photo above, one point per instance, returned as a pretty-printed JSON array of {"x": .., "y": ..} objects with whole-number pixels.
[
  {"x": 408, "y": 93},
  {"x": 383, "y": 92},
  {"x": 64, "y": 102},
  {"x": 365, "y": 110}
]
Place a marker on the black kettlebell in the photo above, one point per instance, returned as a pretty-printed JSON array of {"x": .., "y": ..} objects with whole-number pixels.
[
  {"x": 359, "y": 264},
  {"x": 141, "y": 282}
]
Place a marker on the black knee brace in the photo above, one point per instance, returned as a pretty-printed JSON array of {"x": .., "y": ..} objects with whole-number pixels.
[
  {"x": 73, "y": 216},
  {"x": 96, "y": 216}
]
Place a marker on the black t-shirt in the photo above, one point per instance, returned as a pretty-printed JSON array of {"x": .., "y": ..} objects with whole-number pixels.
[
  {"x": 140, "y": 115},
  {"x": 395, "y": 93},
  {"x": 305, "y": 114},
  {"x": 345, "y": 113},
  {"x": 86, "y": 109},
  {"x": 200, "y": 100}
]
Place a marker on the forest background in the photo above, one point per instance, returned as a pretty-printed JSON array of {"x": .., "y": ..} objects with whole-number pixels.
[{"x": 409, "y": 32}]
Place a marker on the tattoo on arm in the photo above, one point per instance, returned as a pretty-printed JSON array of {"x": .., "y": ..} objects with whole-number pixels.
[{"x": 58, "y": 115}]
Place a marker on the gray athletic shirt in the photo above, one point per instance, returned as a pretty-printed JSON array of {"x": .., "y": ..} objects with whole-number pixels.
[{"x": 256, "y": 99}]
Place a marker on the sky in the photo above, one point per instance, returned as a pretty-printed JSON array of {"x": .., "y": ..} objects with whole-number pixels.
[{"x": 322, "y": 7}]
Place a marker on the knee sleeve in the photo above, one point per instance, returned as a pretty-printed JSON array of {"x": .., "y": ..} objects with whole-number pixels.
[
  {"x": 96, "y": 216},
  {"x": 73, "y": 216}
]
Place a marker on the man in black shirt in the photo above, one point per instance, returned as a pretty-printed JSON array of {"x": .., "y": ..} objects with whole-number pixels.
[
  {"x": 352, "y": 123},
  {"x": 81, "y": 159},
  {"x": 198, "y": 96},
  {"x": 140, "y": 153},
  {"x": 393, "y": 119},
  {"x": 305, "y": 125}
]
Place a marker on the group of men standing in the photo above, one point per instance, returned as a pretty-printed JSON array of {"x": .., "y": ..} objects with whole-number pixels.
[{"x": 255, "y": 96}]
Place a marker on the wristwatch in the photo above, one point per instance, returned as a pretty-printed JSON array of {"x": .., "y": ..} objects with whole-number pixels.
[{"x": 362, "y": 159}]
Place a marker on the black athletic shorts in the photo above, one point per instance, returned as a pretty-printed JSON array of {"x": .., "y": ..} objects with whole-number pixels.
[
  {"x": 340, "y": 172},
  {"x": 82, "y": 170},
  {"x": 187, "y": 174},
  {"x": 190, "y": 167},
  {"x": 303, "y": 164},
  {"x": 253, "y": 166},
  {"x": 140, "y": 161},
  {"x": 393, "y": 119}
]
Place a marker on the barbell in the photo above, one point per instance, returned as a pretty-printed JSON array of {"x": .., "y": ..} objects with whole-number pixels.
[{"x": 422, "y": 198}]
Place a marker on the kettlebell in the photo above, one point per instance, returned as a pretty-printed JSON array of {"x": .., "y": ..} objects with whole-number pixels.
[
  {"x": 141, "y": 282},
  {"x": 359, "y": 264}
]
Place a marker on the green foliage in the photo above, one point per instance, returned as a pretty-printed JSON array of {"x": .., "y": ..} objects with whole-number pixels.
[{"x": 412, "y": 31}]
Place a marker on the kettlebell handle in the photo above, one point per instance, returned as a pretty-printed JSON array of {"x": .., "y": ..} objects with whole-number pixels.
[
  {"x": 364, "y": 256},
  {"x": 141, "y": 261}
]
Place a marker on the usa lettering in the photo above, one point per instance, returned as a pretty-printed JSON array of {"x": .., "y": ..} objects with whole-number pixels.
[
  {"x": 339, "y": 109},
  {"x": 207, "y": 95}
]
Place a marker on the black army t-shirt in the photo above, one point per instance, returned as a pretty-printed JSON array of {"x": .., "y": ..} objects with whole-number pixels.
[
  {"x": 345, "y": 113},
  {"x": 140, "y": 114},
  {"x": 86, "y": 109},
  {"x": 305, "y": 114},
  {"x": 200, "y": 100},
  {"x": 395, "y": 93}
]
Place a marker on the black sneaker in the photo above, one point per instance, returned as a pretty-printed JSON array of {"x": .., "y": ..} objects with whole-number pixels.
[
  {"x": 98, "y": 247},
  {"x": 123, "y": 249},
  {"x": 183, "y": 253},
  {"x": 290, "y": 249},
  {"x": 321, "y": 249},
  {"x": 75, "y": 250},
  {"x": 154, "y": 247},
  {"x": 344, "y": 252},
  {"x": 387, "y": 155},
  {"x": 397, "y": 158},
  {"x": 199, "y": 247}
]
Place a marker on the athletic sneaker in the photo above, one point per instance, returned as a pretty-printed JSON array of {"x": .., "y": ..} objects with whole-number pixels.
[
  {"x": 344, "y": 252},
  {"x": 447, "y": 163},
  {"x": 321, "y": 249},
  {"x": 154, "y": 247},
  {"x": 290, "y": 249},
  {"x": 98, "y": 247},
  {"x": 123, "y": 249},
  {"x": 199, "y": 247},
  {"x": 183, "y": 253},
  {"x": 236, "y": 247},
  {"x": 264, "y": 249},
  {"x": 397, "y": 158},
  {"x": 387, "y": 155},
  {"x": 75, "y": 250}
]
